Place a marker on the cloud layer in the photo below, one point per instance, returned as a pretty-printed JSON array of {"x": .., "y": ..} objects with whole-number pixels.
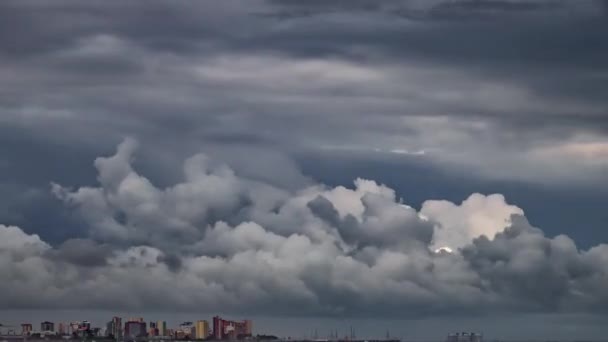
[
  {"x": 460, "y": 80},
  {"x": 232, "y": 244}
]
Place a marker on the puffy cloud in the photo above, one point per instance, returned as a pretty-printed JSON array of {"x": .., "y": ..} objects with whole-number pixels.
[
  {"x": 13, "y": 240},
  {"x": 521, "y": 263},
  {"x": 476, "y": 216},
  {"x": 128, "y": 208},
  {"x": 317, "y": 250},
  {"x": 21, "y": 256}
]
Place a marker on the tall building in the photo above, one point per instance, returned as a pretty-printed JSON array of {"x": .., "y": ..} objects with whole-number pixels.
[
  {"x": 152, "y": 330},
  {"x": 135, "y": 329},
  {"x": 26, "y": 329},
  {"x": 162, "y": 328},
  {"x": 47, "y": 326},
  {"x": 110, "y": 329},
  {"x": 202, "y": 330},
  {"x": 62, "y": 329},
  {"x": 248, "y": 327},
  {"x": 117, "y": 327},
  {"x": 225, "y": 329},
  {"x": 85, "y": 325}
]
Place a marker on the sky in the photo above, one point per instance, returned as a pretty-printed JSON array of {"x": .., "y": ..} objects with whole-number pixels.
[{"x": 418, "y": 167}]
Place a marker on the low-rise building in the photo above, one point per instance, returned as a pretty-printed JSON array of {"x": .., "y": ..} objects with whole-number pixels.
[
  {"x": 26, "y": 329},
  {"x": 47, "y": 326}
]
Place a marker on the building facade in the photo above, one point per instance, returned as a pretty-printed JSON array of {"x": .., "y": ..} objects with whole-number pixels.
[
  {"x": 47, "y": 327},
  {"x": 85, "y": 325},
  {"x": 186, "y": 330},
  {"x": 248, "y": 327},
  {"x": 152, "y": 330},
  {"x": 74, "y": 327},
  {"x": 134, "y": 329},
  {"x": 162, "y": 328},
  {"x": 110, "y": 329},
  {"x": 26, "y": 329},
  {"x": 202, "y": 330},
  {"x": 225, "y": 329},
  {"x": 62, "y": 329},
  {"x": 117, "y": 328}
]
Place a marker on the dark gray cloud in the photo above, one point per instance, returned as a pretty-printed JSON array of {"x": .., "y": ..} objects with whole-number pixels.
[
  {"x": 518, "y": 83},
  {"x": 521, "y": 261},
  {"x": 323, "y": 208},
  {"x": 173, "y": 261},
  {"x": 82, "y": 252}
]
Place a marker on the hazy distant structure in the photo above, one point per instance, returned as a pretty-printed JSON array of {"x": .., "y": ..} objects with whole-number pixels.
[
  {"x": 152, "y": 329},
  {"x": 85, "y": 325},
  {"x": 465, "y": 337},
  {"x": 248, "y": 327},
  {"x": 161, "y": 327},
  {"x": 26, "y": 329},
  {"x": 114, "y": 328},
  {"x": 202, "y": 330},
  {"x": 117, "y": 327},
  {"x": 110, "y": 329},
  {"x": 135, "y": 328},
  {"x": 47, "y": 326},
  {"x": 62, "y": 329},
  {"x": 95, "y": 331},
  {"x": 74, "y": 327},
  {"x": 7, "y": 330},
  {"x": 225, "y": 329},
  {"x": 185, "y": 330}
]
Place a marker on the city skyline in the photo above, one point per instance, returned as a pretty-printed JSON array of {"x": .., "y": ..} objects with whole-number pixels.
[
  {"x": 307, "y": 328},
  {"x": 198, "y": 330},
  {"x": 410, "y": 168},
  {"x": 136, "y": 327}
]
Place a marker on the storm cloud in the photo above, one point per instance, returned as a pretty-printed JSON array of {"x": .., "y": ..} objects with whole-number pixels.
[
  {"x": 316, "y": 158},
  {"x": 322, "y": 250},
  {"x": 529, "y": 83}
]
